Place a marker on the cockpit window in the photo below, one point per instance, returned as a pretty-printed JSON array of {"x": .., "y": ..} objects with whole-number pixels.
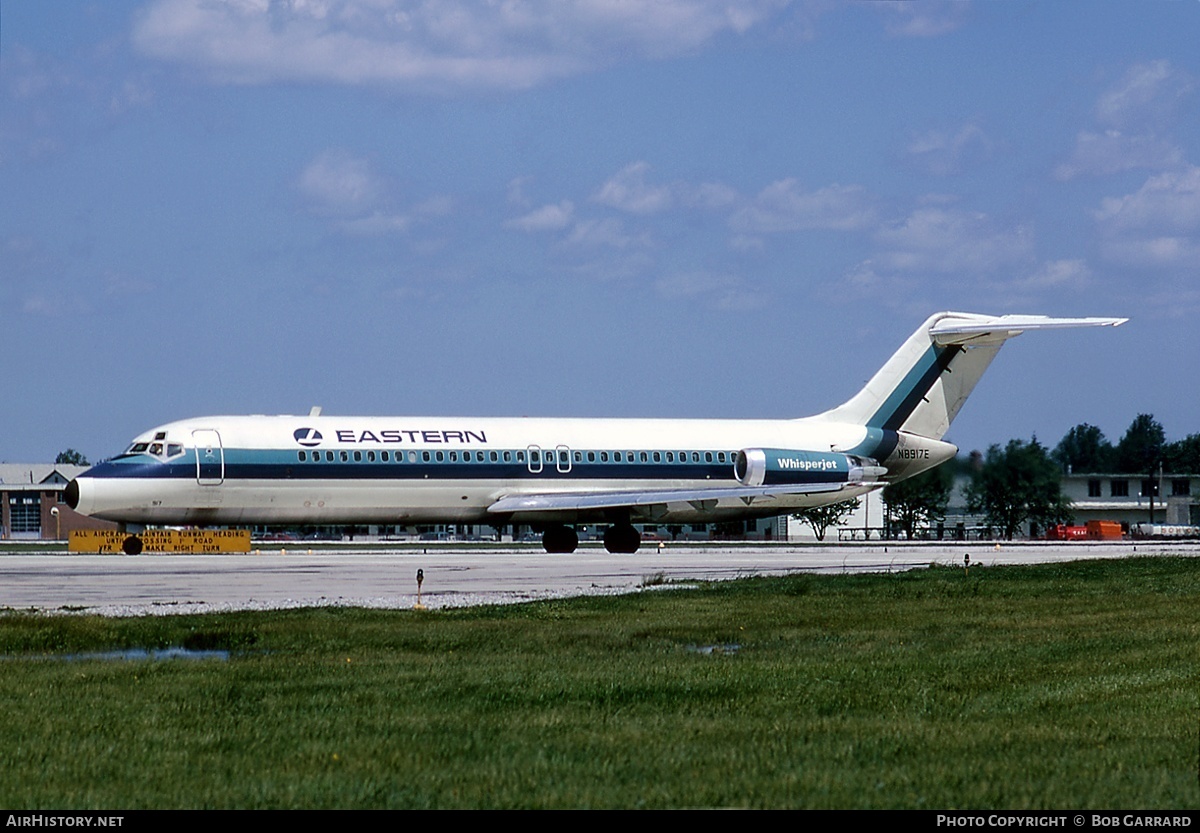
[{"x": 164, "y": 451}]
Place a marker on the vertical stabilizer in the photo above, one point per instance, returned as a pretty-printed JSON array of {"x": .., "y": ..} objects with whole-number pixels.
[{"x": 924, "y": 384}]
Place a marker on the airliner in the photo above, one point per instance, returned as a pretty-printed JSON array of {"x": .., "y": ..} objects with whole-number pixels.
[{"x": 555, "y": 473}]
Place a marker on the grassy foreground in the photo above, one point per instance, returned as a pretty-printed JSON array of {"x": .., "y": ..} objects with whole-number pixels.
[{"x": 1058, "y": 686}]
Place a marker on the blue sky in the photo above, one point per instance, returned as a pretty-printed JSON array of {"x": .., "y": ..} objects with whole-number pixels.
[{"x": 594, "y": 208}]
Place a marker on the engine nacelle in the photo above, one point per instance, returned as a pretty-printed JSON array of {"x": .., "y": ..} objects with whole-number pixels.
[{"x": 773, "y": 466}]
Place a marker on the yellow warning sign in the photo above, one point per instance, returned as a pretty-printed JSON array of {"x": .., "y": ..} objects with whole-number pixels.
[{"x": 161, "y": 540}]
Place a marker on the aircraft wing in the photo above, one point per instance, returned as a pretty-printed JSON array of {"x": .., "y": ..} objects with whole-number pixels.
[{"x": 557, "y": 501}]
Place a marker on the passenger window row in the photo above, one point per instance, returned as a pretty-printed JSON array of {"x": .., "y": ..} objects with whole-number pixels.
[{"x": 549, "y": 456}]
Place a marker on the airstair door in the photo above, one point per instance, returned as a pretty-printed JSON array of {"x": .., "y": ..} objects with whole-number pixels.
[{"x": 210, "y": 457}]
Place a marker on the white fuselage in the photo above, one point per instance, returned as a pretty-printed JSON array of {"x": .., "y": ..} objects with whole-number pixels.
[{"x": 337, "y": 470}]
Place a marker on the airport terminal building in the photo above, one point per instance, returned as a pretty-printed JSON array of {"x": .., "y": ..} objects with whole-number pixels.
[{"x": 1172, "y": 499}]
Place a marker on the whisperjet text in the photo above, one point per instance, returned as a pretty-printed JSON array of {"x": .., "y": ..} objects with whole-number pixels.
[{"x": 807, "y": 464}]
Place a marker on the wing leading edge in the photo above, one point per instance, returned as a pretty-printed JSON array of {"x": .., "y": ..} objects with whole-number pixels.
[{"x": 573, "y": 501}]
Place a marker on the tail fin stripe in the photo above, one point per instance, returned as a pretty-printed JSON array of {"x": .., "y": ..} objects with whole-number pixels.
[{"x": 905, "y": 397}]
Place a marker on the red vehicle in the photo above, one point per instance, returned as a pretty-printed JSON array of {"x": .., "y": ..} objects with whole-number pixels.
[{"x": 1062, "y": 532}]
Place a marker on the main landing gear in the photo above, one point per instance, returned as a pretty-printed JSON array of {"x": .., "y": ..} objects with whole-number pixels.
[
  {"x": 618, "y": 538},
  {"x": 560, "y": 539},
  {"x": 622, "y": 538}
]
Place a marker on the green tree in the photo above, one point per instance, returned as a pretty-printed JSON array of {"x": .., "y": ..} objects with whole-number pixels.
[
  {"x": 1085, "y": 449},
  {"x": 70, "y": 457},
  {"x": 1183, "y": 456},
  {"x": 820, "y": 518},
  {"x": 920, "y": 500},
  {"x": 1141, "y": 449},
  {"x": 1017, "y": 484}
]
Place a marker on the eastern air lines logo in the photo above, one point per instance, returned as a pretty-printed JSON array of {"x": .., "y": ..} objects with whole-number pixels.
[{"x": 307, "y": 436}]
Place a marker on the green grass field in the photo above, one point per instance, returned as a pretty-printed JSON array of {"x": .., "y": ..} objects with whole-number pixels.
[{"x": 1059, "y": 686}]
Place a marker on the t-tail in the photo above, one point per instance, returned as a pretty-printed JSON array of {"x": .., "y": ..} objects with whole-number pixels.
[{"x": 908, "y": 406}]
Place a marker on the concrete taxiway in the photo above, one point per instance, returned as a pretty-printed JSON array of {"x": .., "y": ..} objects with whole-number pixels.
[{"x": 283, "y": 577}]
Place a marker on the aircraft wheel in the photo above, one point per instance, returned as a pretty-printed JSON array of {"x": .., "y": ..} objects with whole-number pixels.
[
  {"x": 622, "y": 538},
  {"x": 562, "y": 539},
  {"x": 132, "y": 545}
]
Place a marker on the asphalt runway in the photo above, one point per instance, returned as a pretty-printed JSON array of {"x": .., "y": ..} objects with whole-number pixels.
[{"x": 119, "y": 585}]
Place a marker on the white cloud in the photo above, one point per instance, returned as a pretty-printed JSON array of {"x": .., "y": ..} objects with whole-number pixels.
[
  {"x": 338, "y": 183},
  {"x": 1135, "y": 113},
  {"x": 1100, "y": 154},
  {"x": 547, "y": 218},
  {"x": 607, "y": 233},
  {"x": 1057, "y": 274},
  {"x": 949, "y": 241},
  {"x": 944, "y": 153},
  {"x": 1011, "y": 285},
  {"x": 1158, "y": 225},
  {"x": 357, "y": 198},
  {"x": 1166, "y": 201},
  {"x": 516, "y": 191},
  {"x": 710, "y": 195},
  {"x": 724, "y": 292},
  {"x": 1147, "y": 92},
  {"x": 928, "y": 19},
  {"x": 628, "y": 191},
  {"x": 785, "y": 206},
  {"x": 864, "y": 283},
  {"x": 1167, "y": 252},
  {"x": 132, "y": 94},
  {"x": 454, "y": 44},
  {"x": 747, "y": 243}
]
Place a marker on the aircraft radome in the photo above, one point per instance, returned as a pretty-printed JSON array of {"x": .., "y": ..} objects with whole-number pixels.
[{"x": 551, "y": 473}]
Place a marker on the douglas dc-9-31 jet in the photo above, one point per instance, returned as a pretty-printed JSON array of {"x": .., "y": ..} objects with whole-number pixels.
[{"x": 554, "y": 473}]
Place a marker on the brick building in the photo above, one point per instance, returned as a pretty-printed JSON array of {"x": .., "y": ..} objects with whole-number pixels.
[{"x": 32, "y": 504}]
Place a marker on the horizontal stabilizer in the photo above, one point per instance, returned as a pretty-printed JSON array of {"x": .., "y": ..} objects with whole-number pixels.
[{"x": 1002, "y": 327}]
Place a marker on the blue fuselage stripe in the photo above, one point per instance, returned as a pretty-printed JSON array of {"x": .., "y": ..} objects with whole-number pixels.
[{"x": 285, "y": 466}]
